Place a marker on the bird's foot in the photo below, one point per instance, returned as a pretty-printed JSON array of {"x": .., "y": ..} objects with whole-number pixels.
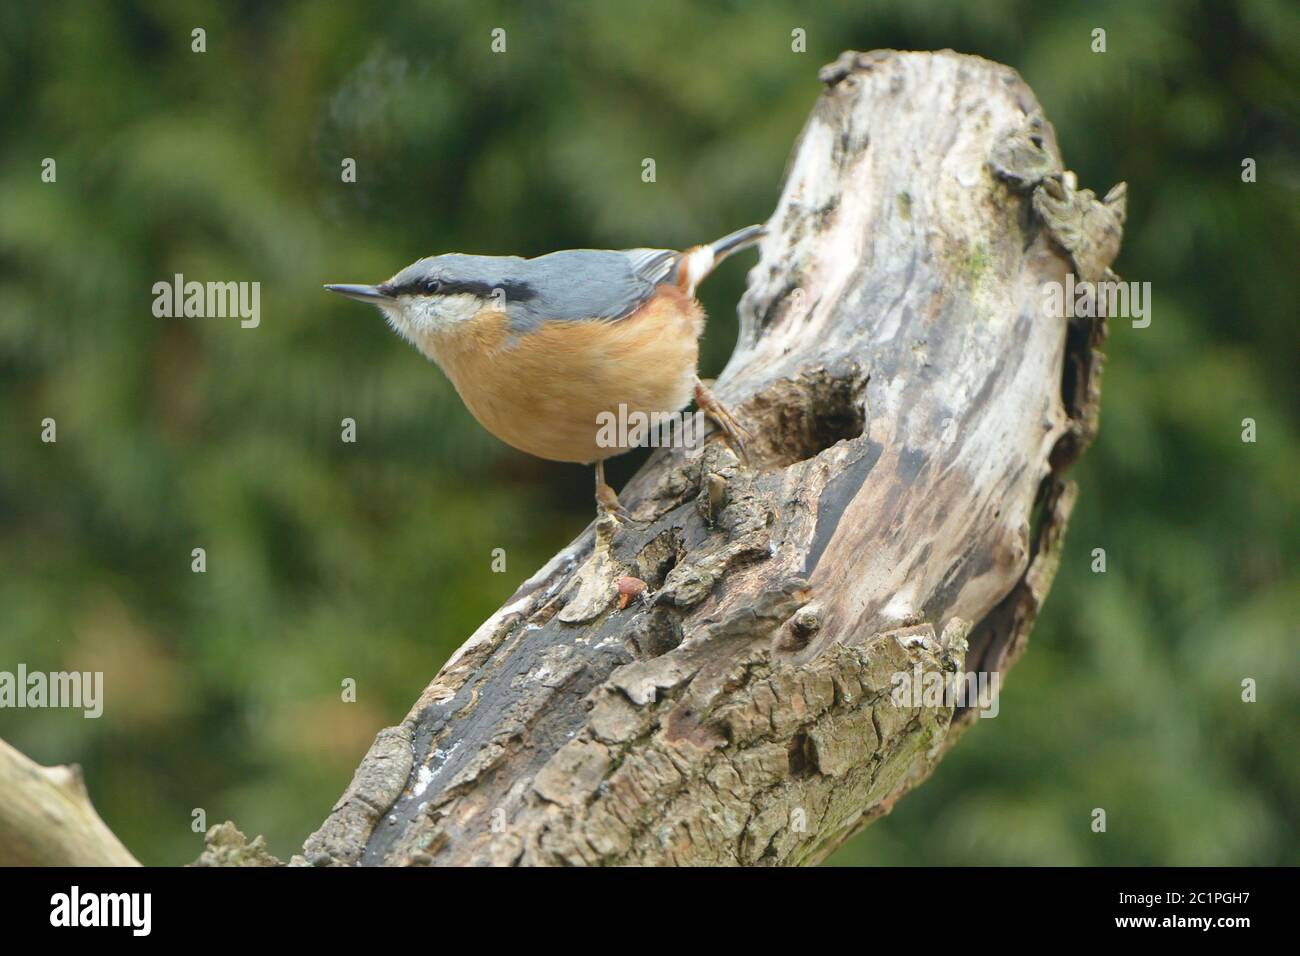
[
  {"x": 607, "y": 503},
  {"x": 735, "y": 432}
]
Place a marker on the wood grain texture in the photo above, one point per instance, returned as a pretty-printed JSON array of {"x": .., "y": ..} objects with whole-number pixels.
[{"x": 913, "y": 409}]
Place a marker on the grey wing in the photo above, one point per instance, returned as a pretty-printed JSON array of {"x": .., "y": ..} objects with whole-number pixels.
[{"x": 586, "y": 284}]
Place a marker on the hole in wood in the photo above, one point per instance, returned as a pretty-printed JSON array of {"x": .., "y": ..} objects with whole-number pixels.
[
  {"x": 795, "y": 419},
  {"x": 802, "y": 763}
]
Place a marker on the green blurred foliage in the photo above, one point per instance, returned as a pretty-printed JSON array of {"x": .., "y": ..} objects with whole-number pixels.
[{"x": 372, "y": 560}]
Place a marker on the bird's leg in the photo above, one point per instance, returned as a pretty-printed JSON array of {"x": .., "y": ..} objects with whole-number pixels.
[
  {"x": 606, "y": 498},
  {"x": 734, "y": 431}
]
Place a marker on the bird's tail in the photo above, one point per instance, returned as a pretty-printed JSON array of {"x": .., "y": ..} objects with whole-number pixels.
[{"x": 697, "y": 263}]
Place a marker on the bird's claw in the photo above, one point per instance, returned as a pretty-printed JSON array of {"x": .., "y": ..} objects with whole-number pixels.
[
  {"x": 736, "y": 434},
  {"x": 608, "y": 503}
]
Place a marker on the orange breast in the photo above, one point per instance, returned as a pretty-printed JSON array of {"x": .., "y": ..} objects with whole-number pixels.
[{"x": 544, "y": 392}]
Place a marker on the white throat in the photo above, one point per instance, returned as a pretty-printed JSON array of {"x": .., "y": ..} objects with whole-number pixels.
[{"x": 415, "y": 317}]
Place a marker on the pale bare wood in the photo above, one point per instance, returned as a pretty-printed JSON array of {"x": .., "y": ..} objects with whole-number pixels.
[{"x": 46, "y": 818}]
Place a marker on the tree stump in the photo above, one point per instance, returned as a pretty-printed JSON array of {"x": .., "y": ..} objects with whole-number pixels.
[{"x": 913, "y": 408}]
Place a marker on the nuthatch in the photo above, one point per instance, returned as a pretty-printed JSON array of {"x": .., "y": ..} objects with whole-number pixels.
[{"x": 540, "y": 350}]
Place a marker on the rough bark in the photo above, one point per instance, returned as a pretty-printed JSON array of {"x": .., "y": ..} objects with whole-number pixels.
[
  {"x": 46, "y": 818},
  {"x": 912, "y": 408}
]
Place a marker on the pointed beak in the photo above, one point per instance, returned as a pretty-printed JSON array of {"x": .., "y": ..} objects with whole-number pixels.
[{"x": 362, "y": 293}]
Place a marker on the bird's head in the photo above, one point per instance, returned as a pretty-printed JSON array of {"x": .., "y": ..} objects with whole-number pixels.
[{"x": 432, "y": 296}]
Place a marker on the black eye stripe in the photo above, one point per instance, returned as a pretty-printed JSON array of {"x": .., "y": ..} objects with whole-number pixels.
[
  {"x": 514, "y": 291},
  {"x": 413, "y": 287}
]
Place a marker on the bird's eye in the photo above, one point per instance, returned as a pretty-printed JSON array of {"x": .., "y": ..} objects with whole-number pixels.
[{"x": 432, "y": 285}]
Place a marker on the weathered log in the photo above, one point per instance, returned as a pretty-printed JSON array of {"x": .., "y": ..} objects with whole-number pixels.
[{"x": 912, "y": 406}]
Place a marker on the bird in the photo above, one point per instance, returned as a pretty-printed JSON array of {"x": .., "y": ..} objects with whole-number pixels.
[{"x": 542, "y": 350}]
